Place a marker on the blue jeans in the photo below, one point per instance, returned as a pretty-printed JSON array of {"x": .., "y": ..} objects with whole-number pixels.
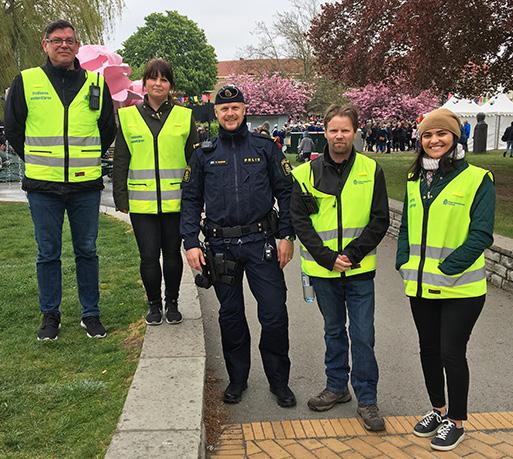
[
  {"x": 47, "y": 211},
  {"x": 509, "y": 147},
  {"x": 357, "y": 298}
]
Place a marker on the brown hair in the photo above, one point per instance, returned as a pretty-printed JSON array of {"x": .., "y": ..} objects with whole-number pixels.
[
  {"x": 341, "y": 110},
  {"x": 59, "y": 24},
  {"x": 156, "y": 67}
]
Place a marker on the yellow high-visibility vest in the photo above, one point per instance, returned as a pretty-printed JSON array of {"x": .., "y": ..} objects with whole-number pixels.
[
  {"x": 435, "y": 234},
  {"x": 61, "y": 144},
  {"x": 157, "y": 164},
  {"x": 340, "y": 218}
]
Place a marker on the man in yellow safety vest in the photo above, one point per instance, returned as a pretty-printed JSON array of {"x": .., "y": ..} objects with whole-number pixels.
[
  {"x": 339, "y": 210},
  {"x": 60, "y": 119}
]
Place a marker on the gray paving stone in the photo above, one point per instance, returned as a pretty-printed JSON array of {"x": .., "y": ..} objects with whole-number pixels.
[
  {"x": 180, "y": 340},
  {"x": 167, "y": 394},
  {"x": 156, "y": 445}
]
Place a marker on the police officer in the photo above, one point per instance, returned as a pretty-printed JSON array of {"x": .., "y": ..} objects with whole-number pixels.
[
  {"x": 59, "y": 119},
  {"x": 237, "y": 178}
]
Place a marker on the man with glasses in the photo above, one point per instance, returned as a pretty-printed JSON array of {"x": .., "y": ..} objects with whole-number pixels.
[
  {"x": 60, "y": 119},
  {"x": 237, "y": 177}
]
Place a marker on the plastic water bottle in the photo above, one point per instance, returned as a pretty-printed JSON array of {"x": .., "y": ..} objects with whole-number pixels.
[{"x": 308, "y": 290}]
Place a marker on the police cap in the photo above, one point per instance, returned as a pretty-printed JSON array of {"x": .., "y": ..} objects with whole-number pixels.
[{"x": 228, "y": 94}]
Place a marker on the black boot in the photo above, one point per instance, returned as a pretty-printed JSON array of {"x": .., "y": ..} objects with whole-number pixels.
[
  {"x": 173, "y": 315},
  {"x": 154, "y": 315}
]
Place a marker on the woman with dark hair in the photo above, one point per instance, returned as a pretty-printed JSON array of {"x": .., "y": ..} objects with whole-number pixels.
[
  {"x": 153, "y": 146},
  {"x": 447, "y": 224}
]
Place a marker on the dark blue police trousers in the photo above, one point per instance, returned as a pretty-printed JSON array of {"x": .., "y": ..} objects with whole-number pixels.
[{"x": 267, "y": 284}]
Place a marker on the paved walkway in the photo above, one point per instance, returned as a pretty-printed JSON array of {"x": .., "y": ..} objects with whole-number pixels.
[{"x": 488, "y": 435}]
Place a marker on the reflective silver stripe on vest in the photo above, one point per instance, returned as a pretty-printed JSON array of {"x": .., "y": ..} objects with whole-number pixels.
[
  {"x": 58, "y": 141},
  {"x": 351, "y": 232},
  {"x": 171, "y": 173},
  {"x": 440, "y": 280},
  {"x": 346, "y": 233},
  {"x": 136, "y": 195},
  {"x": 306, "y": 255},
  {"x": 149, "y": 174},
  {"x": 328, "y": 235},
  {"x": 438, "y": 253},
  {"x": 84, "y": 162},
  {"x": 44, "y": 160}
]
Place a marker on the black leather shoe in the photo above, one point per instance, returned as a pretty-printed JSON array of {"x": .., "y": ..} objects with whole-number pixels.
[
  {"x": 284, "y": 396},
  {"x": 233, "y": 393}
]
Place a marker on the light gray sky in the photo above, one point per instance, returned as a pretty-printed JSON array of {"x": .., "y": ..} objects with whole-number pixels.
[{"x": 227, "y": 24}]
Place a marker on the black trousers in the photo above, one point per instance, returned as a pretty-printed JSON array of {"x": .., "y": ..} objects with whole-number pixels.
[
  {"x": 267, "y": 284},
  {"x": 444, "y": 328},
  {"x": 156, "y": 234}
]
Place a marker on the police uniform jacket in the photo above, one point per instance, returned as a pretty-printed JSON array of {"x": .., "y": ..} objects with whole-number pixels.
[
  {"x": 329, "y": 177},
  {"x": 67, "y": 84},
  {"x": 236, "y": 179}
]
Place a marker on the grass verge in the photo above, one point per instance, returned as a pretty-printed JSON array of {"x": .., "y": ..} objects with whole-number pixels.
[{"x": 64, "y": 398}]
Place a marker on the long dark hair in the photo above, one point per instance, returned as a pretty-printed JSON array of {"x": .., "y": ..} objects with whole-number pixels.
[{"x": 445, "y": 165}]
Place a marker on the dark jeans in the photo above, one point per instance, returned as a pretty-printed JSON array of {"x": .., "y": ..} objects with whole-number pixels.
[
  {"x": 156, "y": 234},
  {"x": 267, "y": 284},
  {"x": 47, "y": 211},
  {"x": 444, "y": 328},
  {"x": 355, "y": 299}
]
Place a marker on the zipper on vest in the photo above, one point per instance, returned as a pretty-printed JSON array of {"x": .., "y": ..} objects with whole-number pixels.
[
  {"x": 157, "y": 173},
  {"x": 66, "y": 144},
  {"x": 339, "y": 223},
  {"x": 422, "y": 251}
]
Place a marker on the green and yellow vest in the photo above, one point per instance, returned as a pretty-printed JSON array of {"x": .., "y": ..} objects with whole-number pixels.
[
  {"x": 352, "y": 209},
  {"x": 61, "y": 145},
  {"x": 157, "y": 164},
  {"x": 435, "y": 233}
]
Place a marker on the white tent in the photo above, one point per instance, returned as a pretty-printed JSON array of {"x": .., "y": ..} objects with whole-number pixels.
[
  {"x": 499, "y": 115},
  {"x": 499, "y": 109}
]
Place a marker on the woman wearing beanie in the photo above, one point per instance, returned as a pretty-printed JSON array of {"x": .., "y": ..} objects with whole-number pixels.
[{"x": 447, "y": 224}]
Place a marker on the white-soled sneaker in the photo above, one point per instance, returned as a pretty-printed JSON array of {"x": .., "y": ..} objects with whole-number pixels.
[
  {"x": 429, "y": 424},
  {"x": 448, "y": 436}
]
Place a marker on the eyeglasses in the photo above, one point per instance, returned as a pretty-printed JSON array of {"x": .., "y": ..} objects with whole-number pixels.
[{"x": 60, "y": 41}]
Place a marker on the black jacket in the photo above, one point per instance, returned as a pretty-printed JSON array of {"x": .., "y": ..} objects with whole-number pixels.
[
  {"x": 155, "y": 121},
  {"x": 508, "y": 134},
  {"x": 67, "y": 83},
  {"x": 330, "y": 178},
  {"x": 237, "y": 180}
]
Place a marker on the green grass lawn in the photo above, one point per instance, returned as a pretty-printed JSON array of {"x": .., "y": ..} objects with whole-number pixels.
[
  {"x": 62, "y": 399},
  {"x": 396, "y": 165}
]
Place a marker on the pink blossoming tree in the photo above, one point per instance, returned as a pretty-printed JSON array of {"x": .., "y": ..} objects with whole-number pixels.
[
  {"x": 390, "y": 101},
  {"x": 273, "y": 94}
]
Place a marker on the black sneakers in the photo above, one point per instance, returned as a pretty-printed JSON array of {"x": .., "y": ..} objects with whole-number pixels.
[
  {"x": 49, "y": 328},
  {"x": 94, "y": 327},
  {"x": 429, "y": 424},
  {"x": 448, "y": 436},
  {"x": 327, "y": 400},
  {"x": 154, "y": 315},
  {"x": 173, "y": 315},
  {"x": 372, "y": 420}
]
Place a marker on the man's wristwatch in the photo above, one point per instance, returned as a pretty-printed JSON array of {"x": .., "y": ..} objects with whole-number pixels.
[{"x": 290, "y": 238}]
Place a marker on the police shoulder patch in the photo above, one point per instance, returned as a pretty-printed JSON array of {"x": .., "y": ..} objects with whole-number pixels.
[
  {"x": 286, "y": 167},
  {"x": 187, "y": 174}
]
